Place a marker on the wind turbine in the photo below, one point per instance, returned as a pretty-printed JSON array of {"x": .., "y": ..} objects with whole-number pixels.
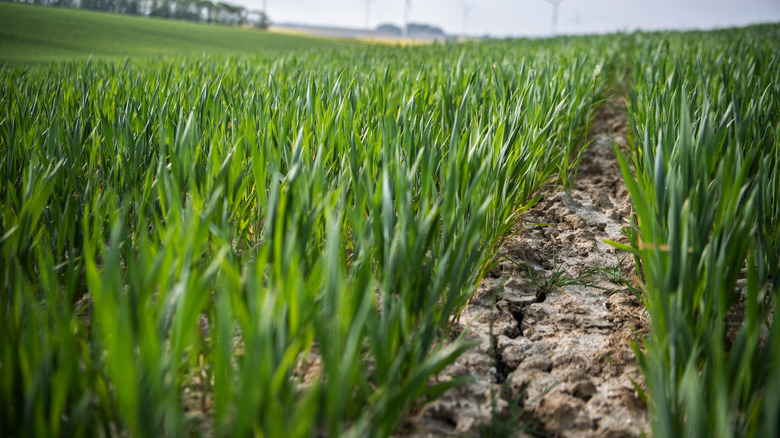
[
  {"x": 368, "y": 12},
  {"x": 467, "y": 7},
  {"x": 265, "y": 7},
  {"x": 405, "y": 30},
  {"x": 554, "y": 4}
]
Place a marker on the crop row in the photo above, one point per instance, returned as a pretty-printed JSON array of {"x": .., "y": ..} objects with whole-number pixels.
[
  {"x": 272, "y": 245},
  {"x": 704, "y": 179}
]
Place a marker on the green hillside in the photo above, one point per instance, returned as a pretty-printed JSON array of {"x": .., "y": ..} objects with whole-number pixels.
[{"x": 43, "y": 34}]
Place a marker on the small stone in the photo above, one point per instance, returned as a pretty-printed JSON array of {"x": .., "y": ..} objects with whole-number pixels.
[{"x": 539, "y": 363}]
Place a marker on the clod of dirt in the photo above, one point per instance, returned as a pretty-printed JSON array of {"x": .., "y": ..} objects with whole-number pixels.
[{"x": 561, "y": 412}]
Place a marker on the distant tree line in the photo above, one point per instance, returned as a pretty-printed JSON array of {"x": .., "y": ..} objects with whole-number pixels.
[
  {"x": 413, "y": 29},
  {"x": 203, "y": 11}
]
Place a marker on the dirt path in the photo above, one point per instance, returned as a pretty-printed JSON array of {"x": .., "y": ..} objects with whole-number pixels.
[{"x": 562, "y": 352}]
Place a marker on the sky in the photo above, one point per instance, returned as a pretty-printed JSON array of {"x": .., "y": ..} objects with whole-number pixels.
[{"x": 502, "y": 18}]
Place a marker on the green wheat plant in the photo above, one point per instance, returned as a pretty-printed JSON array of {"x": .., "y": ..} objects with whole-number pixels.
[
  {"x": 286, "y": 236},
  {"x": 702, "y": 175}
]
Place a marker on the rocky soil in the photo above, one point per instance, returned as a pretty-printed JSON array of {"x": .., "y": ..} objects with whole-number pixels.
[{"x": 554, "y": 359}]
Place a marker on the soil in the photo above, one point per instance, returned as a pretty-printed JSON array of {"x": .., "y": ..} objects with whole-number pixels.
[{"x": 554, "y": 360}]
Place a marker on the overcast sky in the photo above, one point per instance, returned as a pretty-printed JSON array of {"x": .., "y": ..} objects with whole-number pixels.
[{"x": 528, "y": 17}]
